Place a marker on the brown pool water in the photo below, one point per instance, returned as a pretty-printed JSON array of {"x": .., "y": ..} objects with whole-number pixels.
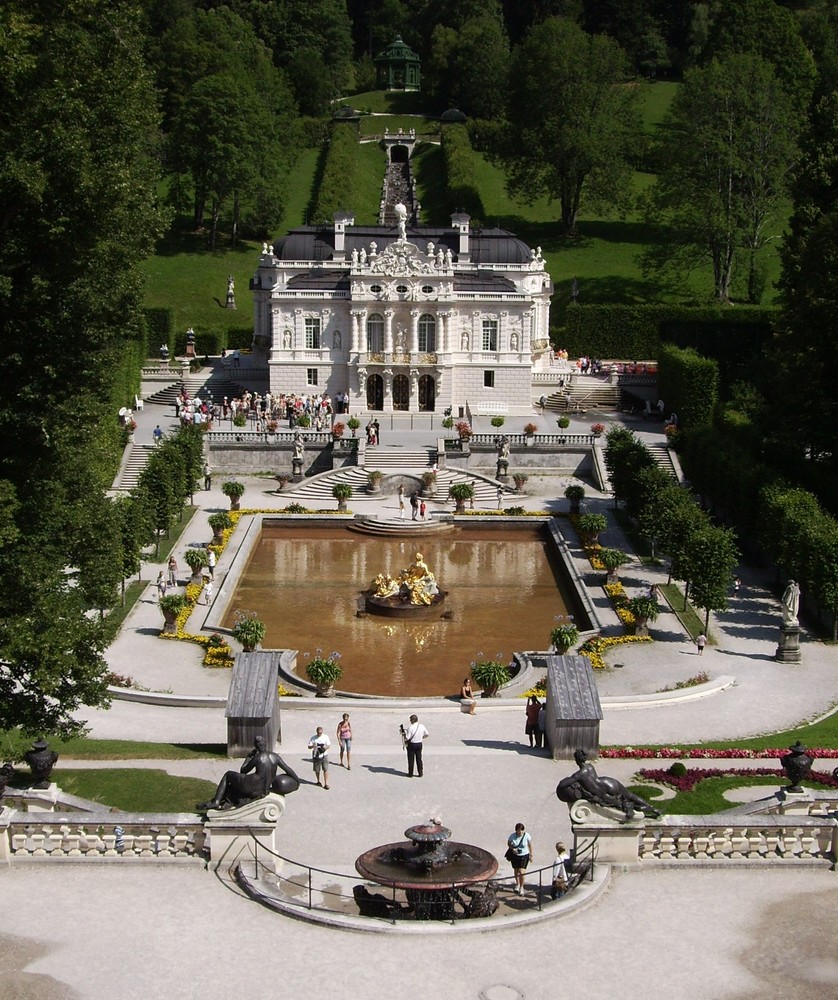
[{"x": 305, "y": 583}]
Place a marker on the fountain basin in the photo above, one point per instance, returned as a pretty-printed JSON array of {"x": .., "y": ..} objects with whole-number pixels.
[{"x": 397, "y": 607}]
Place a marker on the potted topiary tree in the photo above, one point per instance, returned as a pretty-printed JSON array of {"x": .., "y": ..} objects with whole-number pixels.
[
  {"x": 342, "y": 492},
  {"x": 460, "y": 492},
  {"x": 590, "y": 525},
  {"x": 324, "y": 672},
  {"x": 529, "y": 431},
  {"x": 464, "y": 430},
  {"x": 597, "y": 429},
  {"x": 428, "y": 483},
  {"x": 249, "y": 630},
  {"x": 448, "y": 423},
  {"x": 497, "y": 421},
  {"x": 576, "y": 494},
  {"x": 564, "y": 635},
  {"x": 564, "y": 423},
  {"x": 645, "y": 609},
  {"x": 520, "y": 480},
  {"x": 374, "y": 481},
  {"x": 612, "y": 560},
  {"x": 353, "y": 423},
  {"x": 171, "y": 605},
  {"x": 196, "y": 560},
  {"x": 233, "y": 490},
  {"x": 490, "y": 675},
  {"x": 219, "y": 523}
]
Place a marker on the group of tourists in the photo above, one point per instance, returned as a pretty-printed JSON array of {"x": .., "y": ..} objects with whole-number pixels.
[{"x": 519, "y": 853}]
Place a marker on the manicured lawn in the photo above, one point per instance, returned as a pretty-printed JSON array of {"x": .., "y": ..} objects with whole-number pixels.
[
  {"x": 390, "y": 102},
  {"x": 300, "y": 191},
  {"x": 186, "y": 277},
  {"x": 118, "y": 615},
  {"x": 823, "y": 733},
  {"x": 13, "y": 746},
  {"x": 369, "y": 179},
  {"x": 135, "y": 789},
  {"x": 708, "y": 795}
]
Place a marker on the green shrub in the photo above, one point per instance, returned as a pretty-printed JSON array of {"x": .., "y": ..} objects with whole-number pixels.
[
  {"x": 677, "y": 770},
  {"x": 338, "y": 175},
  {"x": 461, "y": 185},
  {"x": 689, "y": 383},
  {"x": 490, "y": 674},
  {"x": 160, "y": 324}
]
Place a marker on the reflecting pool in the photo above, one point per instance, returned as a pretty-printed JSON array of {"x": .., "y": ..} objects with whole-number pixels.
[{"x": 504, "y": 589}]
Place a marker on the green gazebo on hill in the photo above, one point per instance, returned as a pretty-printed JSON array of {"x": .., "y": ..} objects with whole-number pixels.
[{"x": 397, "y": 67}]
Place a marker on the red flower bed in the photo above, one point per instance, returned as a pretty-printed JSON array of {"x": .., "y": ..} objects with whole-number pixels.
[
  {"x": 688, "y": 781},
  {"x": 699, "y": 753}
]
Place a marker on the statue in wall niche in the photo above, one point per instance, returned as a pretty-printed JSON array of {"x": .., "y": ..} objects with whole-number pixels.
[
  {"x": 791, "y": 603},
  {"x": 286, "y": 340},
  {"x": 338, "y": 340},
  {"x": 256, "y": 778},
  {"x": 464, "y": 341},
  {"x": 588, "y": 785},
  {"x": 513, "y": 341}
]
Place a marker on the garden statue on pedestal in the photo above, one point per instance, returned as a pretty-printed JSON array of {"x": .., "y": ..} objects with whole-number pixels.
[
  {"x": 789, "y": 649},
  {"x": 237, "y": 788},
  {"x": 297, "y": 457},
  {"x": 503, "y": 457},
  {"x": 588, "y": 785},
  {"x": 231, "y": 293}
]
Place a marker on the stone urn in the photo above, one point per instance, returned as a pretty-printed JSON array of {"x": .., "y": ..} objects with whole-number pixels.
[
  {"x": 41, "y": 761},
  {"x": 797, "y": 763},
  {"x": 325, "y": 691}
]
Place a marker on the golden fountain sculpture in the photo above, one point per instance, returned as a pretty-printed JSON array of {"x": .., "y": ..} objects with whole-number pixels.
[{"x": 416, "y": 584}]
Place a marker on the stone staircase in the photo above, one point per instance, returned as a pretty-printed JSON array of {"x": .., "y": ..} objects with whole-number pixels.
[
  {"x": 211, "y": 381},
  {"x": 660, "y": 453},
  {"x": 387, "y": 457},
  {"x": 318, "y": 490},
  {"x": 129, "y": 473},
  {"x": 586, "y": 394}
]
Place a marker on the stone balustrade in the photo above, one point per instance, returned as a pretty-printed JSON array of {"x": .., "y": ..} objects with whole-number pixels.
[
  {"x": 27, "y": 836},
  {"x": 786, "y": 827}
]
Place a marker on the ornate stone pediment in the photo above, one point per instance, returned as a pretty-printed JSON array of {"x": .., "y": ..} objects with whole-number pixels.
[{"x": 400, "y": 260}]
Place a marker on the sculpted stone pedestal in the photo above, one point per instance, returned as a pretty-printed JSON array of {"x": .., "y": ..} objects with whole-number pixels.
[
  {"x": 617, "y": 840},
  {"x": 795, "y": 803},
  {"x": 236, "y": 834},
  {"x": 789, "y": 649}
]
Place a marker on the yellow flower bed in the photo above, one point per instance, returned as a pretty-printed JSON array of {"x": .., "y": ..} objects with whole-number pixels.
[{"x": 595, "y": 648}]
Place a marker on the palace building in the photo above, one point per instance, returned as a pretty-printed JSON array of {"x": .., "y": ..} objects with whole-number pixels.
[{"x": 403, "y": 318}]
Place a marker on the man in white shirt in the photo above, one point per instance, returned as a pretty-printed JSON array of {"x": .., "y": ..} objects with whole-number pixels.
[
  {"x": 319, "y": 745},
  {"x": 414, "y": 736}
]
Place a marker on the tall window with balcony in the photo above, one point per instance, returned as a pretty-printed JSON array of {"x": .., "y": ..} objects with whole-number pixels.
[
  {"x": 427, "y": 334},
  {"x": 490, "y": 334},
  {"x": 375, "y": 333},
  {"x": 313, "y": 333}
]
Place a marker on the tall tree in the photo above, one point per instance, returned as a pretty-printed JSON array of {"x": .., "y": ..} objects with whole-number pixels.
[
  {"x": 573, "y": 119},
  {"x": 78, "y": 123},
  {"x": 725, "y": 166}
]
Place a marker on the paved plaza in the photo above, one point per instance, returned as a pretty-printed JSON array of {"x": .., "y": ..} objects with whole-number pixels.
[{"x": 107, "y": 931}]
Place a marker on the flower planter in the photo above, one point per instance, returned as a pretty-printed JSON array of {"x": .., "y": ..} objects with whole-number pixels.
[
  {"x": 342, "y": 506},
  {"x": 325, "y": 691},
  {"x": 641, "y": 626},
  {"x": 490, "y": 691},
  {"x": 169, "y": 622},
  {"x": 235, "y": 503}
]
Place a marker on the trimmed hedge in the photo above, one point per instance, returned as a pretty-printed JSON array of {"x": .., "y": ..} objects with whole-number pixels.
[
  {"x": 461, "y": 186},
  {"x": 160, "y": 322},
  {"x": 736, "y": 337},
  {"x": 335, "y": 191},
  {"x": 689, "y": 383}
]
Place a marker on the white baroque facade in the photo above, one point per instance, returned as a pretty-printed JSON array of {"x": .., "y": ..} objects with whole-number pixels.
[{"x": 403, "y": 318}]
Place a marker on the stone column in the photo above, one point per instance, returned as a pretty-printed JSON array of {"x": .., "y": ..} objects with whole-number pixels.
[
  {"x": 414, "y": 331},
  {"x": 357, "y": 329},
  {"x": 442, "y": 333},
  {"x": 388, "y": 331}
]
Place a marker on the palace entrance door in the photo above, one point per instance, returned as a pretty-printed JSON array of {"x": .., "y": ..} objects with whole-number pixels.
[
  {"x": 427, "y": 392},
  {"x": 375, "y": 392},
  {"x": 401, "y": 392}
]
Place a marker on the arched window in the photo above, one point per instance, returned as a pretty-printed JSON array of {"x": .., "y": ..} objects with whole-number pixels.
[
  {"x": 375, "y": 333},
  {"x": 427, "y": 333}
]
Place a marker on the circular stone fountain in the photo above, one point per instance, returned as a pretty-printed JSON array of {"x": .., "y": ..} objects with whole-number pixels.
[{"x": 430, "y": 868}]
